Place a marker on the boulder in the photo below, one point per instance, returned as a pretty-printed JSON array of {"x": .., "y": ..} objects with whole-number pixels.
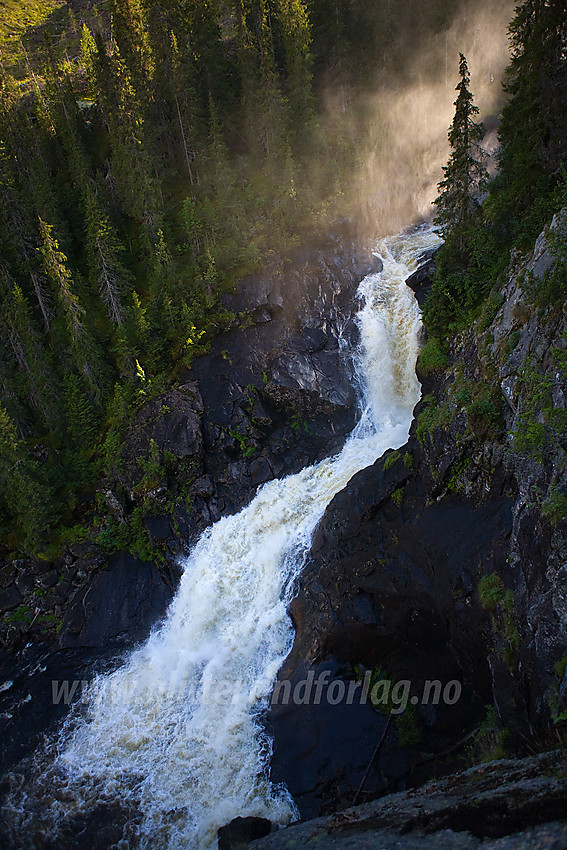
[
  {"x": 238, "y": 834},
  {"x": 421, "y": 280}
]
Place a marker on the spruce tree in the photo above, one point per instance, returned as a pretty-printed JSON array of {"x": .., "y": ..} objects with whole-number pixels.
[
  {"x": 299, "y": 62},
  {"x": 57, "y": 270},
  {"x": 36, "y": 382},
  {"x": 20, "y": 236},
  {"x": 131, "y": 162},
  {"x": 131, "y": 33},
  {"x": 26, "y": 499},
  {"x": 465, "y": 174},
  {"x": 104, "y": 252},
  {"x": 533, "y": 127},
  {"x": 80, "y": 343}
]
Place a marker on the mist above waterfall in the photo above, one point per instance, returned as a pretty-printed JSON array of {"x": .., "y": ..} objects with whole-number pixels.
[{"x": 397, "y": 122}]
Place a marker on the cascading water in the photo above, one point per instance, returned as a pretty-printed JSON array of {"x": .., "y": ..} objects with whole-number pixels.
[{"x": 175, "y": 734}]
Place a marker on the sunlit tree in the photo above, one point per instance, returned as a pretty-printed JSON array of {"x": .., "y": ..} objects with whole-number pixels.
[{"x": 465, "y": 173}]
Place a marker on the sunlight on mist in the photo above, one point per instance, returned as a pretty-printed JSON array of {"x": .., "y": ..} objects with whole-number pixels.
[{"x": 401, "y": 128}]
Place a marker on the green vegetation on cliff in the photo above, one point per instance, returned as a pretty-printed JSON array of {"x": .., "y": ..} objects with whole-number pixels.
[{"x": 531, "y": 184}]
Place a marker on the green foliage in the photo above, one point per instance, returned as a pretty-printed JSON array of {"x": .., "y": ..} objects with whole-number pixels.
[
  {"x": 147, "y": 166},
  {"x": 80, "y": 416},
  {"x": 491, "y": 591},
  {"x": 129, "y": 205},
  {"x": 246, "y": 448},
  {"x": 463, "y": 279},
  {"x": 500, "y": 603},
  {"x": 22, "y": 614},
  {"x": 431, "y": 417},
  {"x": 491, "y": 740},
  {"x": 398, "y": 497},
  {"x": 558, "y": 717},
  {"x": 555, "y": 508},
  {"x": 27, "y": 498},
  {"x": 408, "y": 460},
  {"x": 154, "y": 474},
  {"x": 484, "y": 410},
  {"x": 457, "y": 471},
  {"x": 540, "y": 426},
  {"x": 406, "y": 717},
  {"x": 297, "y": 424},
  {"x": 533, "y": 128},
  {"x": 432, "y": 357},
  {"x": 529, "y": 188},
  {"x": 551, "y": 289},
  {"x": 490, "y": 307},
  {"x": 408, "y": 726},
  {"x": 513, "y": 341},
  {"x": 131, "y": 536},
  {"x": 390, "y": 460}
]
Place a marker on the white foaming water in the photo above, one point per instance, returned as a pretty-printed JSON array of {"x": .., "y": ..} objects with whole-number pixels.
[{"x": 176, "y": 732}]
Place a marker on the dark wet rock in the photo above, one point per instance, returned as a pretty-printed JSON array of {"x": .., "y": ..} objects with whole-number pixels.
[
  {"x": 48, "y": 580},
  {"x": 240, "y": 831},
  {"x": 502, "y": 805},
  {"x": 312, "y": 384},
  {"x": 394, "y": 587},
  {"x": 121, "y": 602},
  {"x": 172, "y": 422},
  {"x": 10, "y": 598},
  {"x": 260, "y": 471},
  {"x": 422, "y": 279}
]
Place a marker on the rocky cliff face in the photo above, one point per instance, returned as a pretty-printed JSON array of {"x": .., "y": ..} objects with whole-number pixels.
[{"x": 444, "y": 561}]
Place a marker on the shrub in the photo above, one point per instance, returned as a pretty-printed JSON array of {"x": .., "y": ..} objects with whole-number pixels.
[
  {"x": 432, "y": 357},
  {"x": 491, "y": 591},
  {"x": 398, "y": 497},
  {"x": 432, "y": 416},
  {"x": 555, "y": 508},
  {"x": 390, "y": 460}
]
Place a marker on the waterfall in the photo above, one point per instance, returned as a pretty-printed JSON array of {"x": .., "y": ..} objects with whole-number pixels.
[{"x": 175, "y": 734}]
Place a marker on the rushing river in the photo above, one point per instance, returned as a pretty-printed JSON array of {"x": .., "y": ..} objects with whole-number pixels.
[{"x": 175, "y": 734}]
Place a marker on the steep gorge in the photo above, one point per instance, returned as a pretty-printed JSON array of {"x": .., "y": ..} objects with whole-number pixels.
[{"x": 445, "y": 560}]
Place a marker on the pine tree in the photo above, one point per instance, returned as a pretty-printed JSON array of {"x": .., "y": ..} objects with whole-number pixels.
[{"x": 465, "y": 174}]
